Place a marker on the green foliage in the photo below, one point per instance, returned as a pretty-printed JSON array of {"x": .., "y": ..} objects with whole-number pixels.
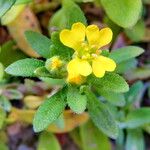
[
  {"x": 116, "y": 99},
  {"x": 92, "y": 138},
  {"x": 2, "y": 117},
  {"x": 3, "y": 146},
  {"x": 133, "y": 94},
  {"x": 48, "y": 141},
  {"x": 1, "y": 71},
  {"x": 40, "y": 43},
  {"x": 125, "y": 53},
  {"x": 69, "y": 13},
  {"x": 12, "y": 14},
  {"x": 9, "y": 54},
  {"x": 75, "y": 100},
  {"x": 5, "y": 103},
  {"x": 53, "y": 82},
  {"x": 101, "y": 116},
  {"x": 18, "y": 2},
  {"x": 110, "y": 82},
  {"x": 138, "y": 73},
  {"x": 127, "y": 65},
  {"x": 137, "y": 32},
  {"x": 43, "y": 72},
  {"x": 24, "y": 67},
  {"x": 58, "y": 49},
  {"x": 125, "y": 13},
  {"x": 5, "y": 6},
  {"x": 49, "y": 111},
  {"x": 137, "y": 118},
  {"x": 135, "y": 140}
]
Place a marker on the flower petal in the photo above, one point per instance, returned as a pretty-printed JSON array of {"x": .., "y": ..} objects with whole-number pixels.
[
  {"x": 75, "y": 79},
  {"x": 84, "y": 68},
  {"x": 107, "y": 63},
  {"x": 98, "y": 69},
  {"x": 92, "y": 33},
  {"x": 105, "y": 37},
  {"x": 73, "y": 38},
  {"x": 73, "y": 66}
]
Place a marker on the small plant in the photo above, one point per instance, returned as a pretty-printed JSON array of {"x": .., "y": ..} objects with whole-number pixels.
[
  {"x": 75, "y": 56},
  {"x": 84, "y": 76}
]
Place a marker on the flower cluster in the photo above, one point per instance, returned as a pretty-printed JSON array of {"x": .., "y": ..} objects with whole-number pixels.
[{"x": 87, "y": 58}]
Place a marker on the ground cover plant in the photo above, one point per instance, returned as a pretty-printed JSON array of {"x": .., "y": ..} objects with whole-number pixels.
[{"x": 74, "y": 75}]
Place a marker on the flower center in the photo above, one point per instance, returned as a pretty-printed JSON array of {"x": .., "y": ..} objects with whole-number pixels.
[{"x": 86, "y": 51}]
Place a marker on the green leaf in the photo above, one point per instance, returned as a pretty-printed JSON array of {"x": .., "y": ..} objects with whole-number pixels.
[
  {"x": 120, "y": 140},
  {"x": 75, "y": 100},
  {"x": 49, "y": 111},
  {"x": 137, "y": 118},
  {"x": 58, "y": 20},
  {"x": 2, "y": 117},
  {"x": 69, "y": 13},
  {"x": 5, "y": 6},
  {"x": 48, "y": 141},
  {"x": 138, "y": 73},
  {"x": 42, "y": 72},
  {"x": 125, "y": 53},
  {"x": 127, "y": 65},
  {"x": 135, "y": 140},
  {"x": 137, "y": 32},
  {"x": 18, "y": 2},
  {"x": 93, "y": 139},
  {"x": 3, "y": 146},
  {"x": 10, "y": 54},
  {"x": 110, "y": 82},
  {"x": 73, "y": 13},
  {"x": 58, "y": 49},
  {"x": 40, "y": 43},
  {"x": 60, "y": 123},
  {"x": 125, "y": 13},
  {"x": 5, "y": 103},
  {"x": 12, "y": 14},
  {"x": 53, "y": 82},
  {"x": 116, "y": 99},
  {"x": 133, "y": 94},
  {"x": 101, "y": 116},
  {"x": 1, "y": 71},
  {"x": 24, "y": 67}
]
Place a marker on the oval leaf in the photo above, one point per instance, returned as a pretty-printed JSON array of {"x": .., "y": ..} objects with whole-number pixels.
[
  {"x": 125, "y": 53},
  {"x": 76, "y": 101},
  {"x": 40, "y": 43},
  {"x": 24, "y": 67},
  {"x": 101, "y": 116},
  {"x": 49, "y": 111},
  {"x": 125, "y": 13},
  {"x": 48, "y": 141},
  {"x": 138, "y": 118},
  {"x": 110, "y": 82}
]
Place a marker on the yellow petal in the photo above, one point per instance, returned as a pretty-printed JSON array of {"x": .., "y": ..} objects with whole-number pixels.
[
  {"x": 98, "y": 69},
  {"x": 84, "y": 68},
  {"x": 107, "y": 63},
  {"x": 73, "y": 38},
  {"x": 105, "y": 37},
  {"x": 73, "y": 66},
  {"x": 75, "y": 79},
  {"x": 92, "y": 33}
]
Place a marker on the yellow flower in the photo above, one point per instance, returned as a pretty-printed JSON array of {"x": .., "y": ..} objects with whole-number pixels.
[
  {"x": 87, "y": 41},
  {"x": 53, "y": 63}
]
